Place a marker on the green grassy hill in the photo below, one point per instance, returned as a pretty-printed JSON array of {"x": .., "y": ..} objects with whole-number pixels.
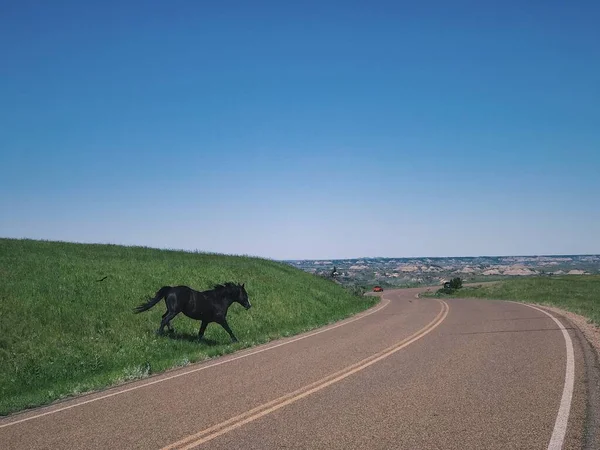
[
  {"x": 579, "y": 294},
  {"x": 62, "y": 332}
]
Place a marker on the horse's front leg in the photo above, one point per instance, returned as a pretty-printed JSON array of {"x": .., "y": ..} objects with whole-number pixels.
[
  {"x": 225, "y": 325},
  {"x": 203, "y": 326}
]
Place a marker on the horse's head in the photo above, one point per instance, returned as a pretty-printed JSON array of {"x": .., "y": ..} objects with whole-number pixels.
[{"x": 243, "y": 297}]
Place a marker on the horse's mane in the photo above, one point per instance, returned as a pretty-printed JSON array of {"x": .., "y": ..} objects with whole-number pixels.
[{"x": 229, "y": 285}]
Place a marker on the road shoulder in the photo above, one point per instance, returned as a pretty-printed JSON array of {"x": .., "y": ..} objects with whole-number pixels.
[{"x": 588, "y": 337}]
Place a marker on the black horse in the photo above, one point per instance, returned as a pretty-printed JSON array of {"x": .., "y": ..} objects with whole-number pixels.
[{"x": 207, "y": 306}]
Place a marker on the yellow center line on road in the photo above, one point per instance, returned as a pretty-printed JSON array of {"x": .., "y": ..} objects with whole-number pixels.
[{"x": 267, "y": 408}]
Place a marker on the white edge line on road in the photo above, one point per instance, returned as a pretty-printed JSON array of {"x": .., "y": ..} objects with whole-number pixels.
[
  {"x": 384, "y": 303},
  {"x": 562, "y": 418}
]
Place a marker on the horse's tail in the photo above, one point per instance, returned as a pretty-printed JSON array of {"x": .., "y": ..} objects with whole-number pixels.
[{"x": 162, "y": 292}]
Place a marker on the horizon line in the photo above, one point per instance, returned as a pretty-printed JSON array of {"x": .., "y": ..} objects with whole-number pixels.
[{"x": 539, "y": 255}]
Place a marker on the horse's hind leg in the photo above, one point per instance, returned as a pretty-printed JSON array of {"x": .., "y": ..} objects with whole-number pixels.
[
  {"x": 171, "y": 329},
  {"x": 225, "y": 325},
  {"x": 167, "y": 317},
  {"x": 172, "y": 311}
]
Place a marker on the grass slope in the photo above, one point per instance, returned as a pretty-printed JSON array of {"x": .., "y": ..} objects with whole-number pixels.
[
  {"x": 63, "y": 332},
  {"x": 579, "y": 294}
]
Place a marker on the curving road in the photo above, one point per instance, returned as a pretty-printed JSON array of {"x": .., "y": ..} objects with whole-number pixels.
[{"x": 408, "y": 374}]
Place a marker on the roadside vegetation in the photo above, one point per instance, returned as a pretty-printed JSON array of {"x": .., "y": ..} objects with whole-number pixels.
[
  {"x": 67, "y": 324},
  {"x": 579, "y": 294}
]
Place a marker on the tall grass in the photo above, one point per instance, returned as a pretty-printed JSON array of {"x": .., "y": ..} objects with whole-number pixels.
[
  {"x": 62, "y": 332},
  {"x": 579, "y": 294}
]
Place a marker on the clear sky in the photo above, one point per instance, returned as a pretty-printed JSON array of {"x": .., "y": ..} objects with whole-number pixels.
[{"x": 303, "y": 129}]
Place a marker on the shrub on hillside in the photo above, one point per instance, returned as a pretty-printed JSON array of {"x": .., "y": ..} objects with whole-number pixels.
[{"x": 450, "y": 287}]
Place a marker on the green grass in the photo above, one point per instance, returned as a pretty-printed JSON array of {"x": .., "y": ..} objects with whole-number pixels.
[
  {"x": 64, "y": 333},
  {"x": 579, "y": 294}
]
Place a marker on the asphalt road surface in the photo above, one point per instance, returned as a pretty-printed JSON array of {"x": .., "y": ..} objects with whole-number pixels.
[{"x": 408, "y": 374}]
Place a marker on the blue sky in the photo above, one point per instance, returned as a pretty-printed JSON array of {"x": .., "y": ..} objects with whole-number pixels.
[{"x": 315, "y": 130}]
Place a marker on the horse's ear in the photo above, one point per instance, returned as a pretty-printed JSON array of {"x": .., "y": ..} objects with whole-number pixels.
[{"x": 243, "y": 284}]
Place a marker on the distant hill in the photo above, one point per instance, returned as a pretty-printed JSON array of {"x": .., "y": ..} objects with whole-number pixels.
[{"x": 402, "y": 272}]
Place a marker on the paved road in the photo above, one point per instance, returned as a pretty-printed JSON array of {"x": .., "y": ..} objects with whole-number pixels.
[{"x": 409, "y": 374}]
